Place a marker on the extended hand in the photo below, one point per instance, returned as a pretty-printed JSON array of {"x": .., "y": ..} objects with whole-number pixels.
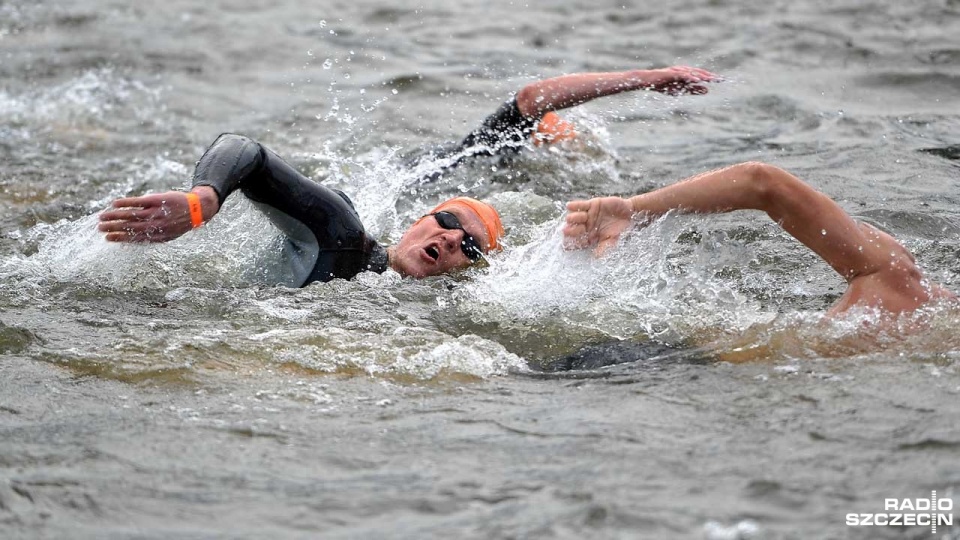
[
  {"x": 160, "y": 217},
  {"x": 678, "y": 80},
  {"x": 598, "y": 222}
]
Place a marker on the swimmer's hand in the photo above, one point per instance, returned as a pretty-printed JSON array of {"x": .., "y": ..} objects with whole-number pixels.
[
  {"x": 597, "y": 223},
  {"x": 159, "y": 217},
  {"x": 679, "y": 80}
]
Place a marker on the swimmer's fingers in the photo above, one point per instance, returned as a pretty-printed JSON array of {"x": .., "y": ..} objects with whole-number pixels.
[
  {"x": 145, "y": 201},
  {"x": 575, "y": 228},
  {"x": 135, "y": 231},
  {"x": 678, "y": 80},
  {"x": 578, "y": 236},
  {"x": 693, "y": 74},
  {"x": 701, "y": 74},
  {"x": 598, "y": 222},
  {"x": 128, "y": 214},
  {"x": 577, "y": 206},
  {"x": 575, "y": 237},
  {"x": 125, "y": 225},
  {"x": 679, "y": 88},
  {"x": 151, "y": 218}
]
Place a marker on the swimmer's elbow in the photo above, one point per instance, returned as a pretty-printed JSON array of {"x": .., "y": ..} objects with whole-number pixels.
[
  {"x": 527, "y": 101},
  {"x": 227, "y": 136},
  {"x": 229, "y": 161},
  {"x": 770, "y": 185},
  {"x": 243, "y": 149},
  {"x": 236, "y": 140}
]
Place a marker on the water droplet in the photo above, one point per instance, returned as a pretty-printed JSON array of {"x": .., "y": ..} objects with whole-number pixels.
[
  {"x": 327, "y": 64},
  {"x": 823, "y": 232},
  {"x": 394, "y": 91}
]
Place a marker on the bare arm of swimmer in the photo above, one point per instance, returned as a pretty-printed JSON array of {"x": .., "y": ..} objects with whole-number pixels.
[
  {"x": 538, "y": 98},
  {"x": 880, "y": 272},
  {"x": 159, "y": 217}
]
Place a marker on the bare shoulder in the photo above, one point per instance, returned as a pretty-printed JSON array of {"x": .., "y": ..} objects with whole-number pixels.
[{"x": 896, "y": 285}]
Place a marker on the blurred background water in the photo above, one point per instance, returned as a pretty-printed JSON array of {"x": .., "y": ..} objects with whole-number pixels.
[{"x": 166, "y": 391}]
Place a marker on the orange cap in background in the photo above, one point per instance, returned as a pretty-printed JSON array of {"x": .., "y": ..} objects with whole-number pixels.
[
  {"x": 552, "y": 128},
  {"x": 487, "y": 214}
]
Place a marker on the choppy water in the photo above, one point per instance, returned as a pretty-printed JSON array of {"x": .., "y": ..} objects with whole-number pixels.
[{"x": 165, "y": 391}]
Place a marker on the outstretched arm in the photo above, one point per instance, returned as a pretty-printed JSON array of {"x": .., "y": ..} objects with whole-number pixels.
[
  {"x": 306, "y": 212},
  {"x": 228, "y": 163},
  {"x": 540, "y": 97},
  {"x": 510, "y": 127},
  {"x": 881, "y": 272}
]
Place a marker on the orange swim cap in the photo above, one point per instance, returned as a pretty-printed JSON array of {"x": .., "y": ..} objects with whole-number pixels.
[
  {"x": 487, "y": 214},
  {"x": 553, "y": 129}
]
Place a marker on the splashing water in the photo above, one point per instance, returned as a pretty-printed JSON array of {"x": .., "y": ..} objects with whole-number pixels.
[
  {"x": 83, "y": 100},
  {"x": 642, "y": 287},
  {"x": 231, "y": 251}
]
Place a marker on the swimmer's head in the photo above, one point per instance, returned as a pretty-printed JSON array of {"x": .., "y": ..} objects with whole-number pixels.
[
  {"x": 453, "y": 235},
  {"x": 553, "y": 129},
  {"x": 488, "y": 215}
]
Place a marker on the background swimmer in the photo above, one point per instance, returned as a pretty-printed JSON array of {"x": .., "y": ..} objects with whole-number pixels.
[{"x": 881, "y": 273}]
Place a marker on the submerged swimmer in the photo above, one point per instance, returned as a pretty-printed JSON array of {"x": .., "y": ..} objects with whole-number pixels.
[
  {"x": 324, "y": 238},
  {"x": 881, "y": 274}
]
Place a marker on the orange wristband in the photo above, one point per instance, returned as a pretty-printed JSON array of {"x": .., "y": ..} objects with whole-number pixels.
[{"x": 196, "y": 211}]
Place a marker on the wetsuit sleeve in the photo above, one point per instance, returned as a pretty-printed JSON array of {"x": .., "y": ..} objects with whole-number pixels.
[
  {"x": 505, "y": 129},
  {"x": 236, "y": 162}
]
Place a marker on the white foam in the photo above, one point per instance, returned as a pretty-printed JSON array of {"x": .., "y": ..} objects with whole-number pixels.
[{"x": 643, "y": 286}]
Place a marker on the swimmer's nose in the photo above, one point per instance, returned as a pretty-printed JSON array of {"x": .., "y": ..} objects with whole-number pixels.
[{"x": 451, "y": 241}]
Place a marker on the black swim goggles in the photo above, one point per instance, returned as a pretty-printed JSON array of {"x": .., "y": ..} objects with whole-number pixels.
[{"x": 469, "y": 245}]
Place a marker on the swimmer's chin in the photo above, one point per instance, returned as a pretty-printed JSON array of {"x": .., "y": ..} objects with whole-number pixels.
[{"x": 398, "y": 265}]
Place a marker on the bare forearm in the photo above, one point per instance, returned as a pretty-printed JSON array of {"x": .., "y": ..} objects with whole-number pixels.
[
  {"x": 540, "y": 97},
  {"x": 738, "y": 187},
  {"x": 806, "y": 214}
]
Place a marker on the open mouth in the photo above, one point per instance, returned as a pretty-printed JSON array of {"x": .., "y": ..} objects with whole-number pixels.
[{"x": 433, "y": 252}]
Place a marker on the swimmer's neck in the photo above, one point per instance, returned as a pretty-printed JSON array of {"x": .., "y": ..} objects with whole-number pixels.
[{"x": 392, "y": 261}]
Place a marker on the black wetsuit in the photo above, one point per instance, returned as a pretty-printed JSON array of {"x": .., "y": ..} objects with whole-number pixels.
[{"x": 322, "y": 229}]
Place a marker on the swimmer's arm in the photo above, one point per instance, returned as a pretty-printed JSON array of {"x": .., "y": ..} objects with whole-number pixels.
[
  {"x": 538, "y": 98},
  {"x": 811, "y": 217},
  {"x": 158, "y": 217},
  {"x": 881, "y": 273},
  {"x": 806, "y": 214},
  {"x": 161, "y": 217}
]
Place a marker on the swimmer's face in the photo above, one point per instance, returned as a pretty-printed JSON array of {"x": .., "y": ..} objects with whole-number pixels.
[{"x": 428, "y": 249}]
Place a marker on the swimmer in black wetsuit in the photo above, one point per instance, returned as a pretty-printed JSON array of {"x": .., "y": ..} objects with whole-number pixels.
[{"x": 325, "y": 237}]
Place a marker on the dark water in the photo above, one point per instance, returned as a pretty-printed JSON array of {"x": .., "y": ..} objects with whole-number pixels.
[{"x": 165, "y": 392}]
